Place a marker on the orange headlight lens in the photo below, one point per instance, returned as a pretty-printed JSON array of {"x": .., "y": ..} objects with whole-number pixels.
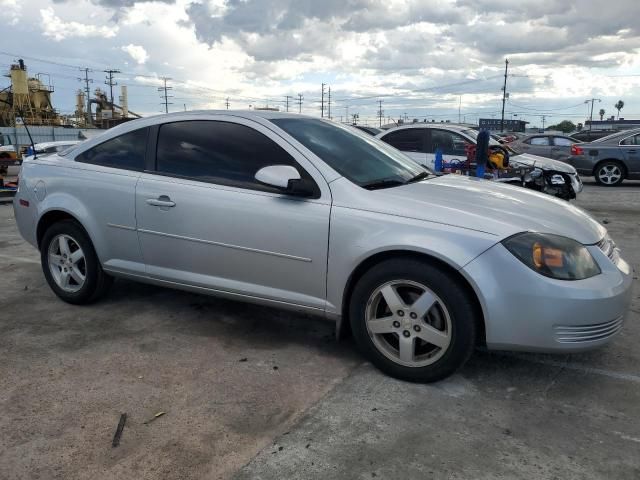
[{"x": 547, "y": 256}]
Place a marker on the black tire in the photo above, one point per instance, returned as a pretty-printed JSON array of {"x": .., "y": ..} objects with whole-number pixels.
[
  {"x": 96, "y": 282},
  {"x": 460, "y": 307},
  {"x": 611, "y": 164}
]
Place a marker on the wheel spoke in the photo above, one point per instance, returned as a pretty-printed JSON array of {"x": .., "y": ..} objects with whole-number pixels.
[
  {"x": 392, "y": 298},
  {"x": 77, "y": 275},
  {"x": 64, "y": 246},
  {"x": 381, "y": 325},
  {"x": 433, "y": 336},
  {"x": 55, "y": 259},
  {"x": 405, "y": 346},
  {"x": 64, "y": 279},
  {"x": 423, "y": 304},
  {"x": 77, "y": 256}
]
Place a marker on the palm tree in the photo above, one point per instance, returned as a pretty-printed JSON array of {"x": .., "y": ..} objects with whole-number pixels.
[
  {"x": 619, "y": 106},
  {"x": 602, "y": 112}
]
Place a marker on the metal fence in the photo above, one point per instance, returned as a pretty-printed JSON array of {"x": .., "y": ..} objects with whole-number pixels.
[{"x": 18, "y": 135}]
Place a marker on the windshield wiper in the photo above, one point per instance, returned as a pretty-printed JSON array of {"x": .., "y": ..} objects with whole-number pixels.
[
  {"x": 418, "y": 177},
  {"x": 386, "y": 183}
]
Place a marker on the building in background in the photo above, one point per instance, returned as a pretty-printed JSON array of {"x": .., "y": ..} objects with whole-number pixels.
[
  {"x": 611, "y": 124},
  {"x": 495, "y": 125}
]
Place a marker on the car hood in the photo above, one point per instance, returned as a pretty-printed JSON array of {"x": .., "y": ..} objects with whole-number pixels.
[
  {"x": 542, "y": 162},
  {"x": 486, "y": 206}
]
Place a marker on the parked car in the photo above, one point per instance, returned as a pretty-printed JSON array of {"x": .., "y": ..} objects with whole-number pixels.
[
  {"x": 610, "y": 159},
  {"x": 370, "y": 130},
  {"x": 591, "y": 135},
  {"x": 8, "y": 156},
  {"x": 302, "y": 213},
  {"x": 546, "y": 145},
  {"x": 421, "y": 141}
]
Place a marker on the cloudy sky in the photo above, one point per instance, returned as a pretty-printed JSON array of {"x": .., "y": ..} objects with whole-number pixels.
[{"x": 422, "y": 58}]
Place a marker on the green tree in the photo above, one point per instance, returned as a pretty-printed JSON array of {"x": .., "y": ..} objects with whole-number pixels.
[
  {"x": 619, "y": 106},
  {"x": 565, "y": 126},
  {"x": 602, "y": 112}
]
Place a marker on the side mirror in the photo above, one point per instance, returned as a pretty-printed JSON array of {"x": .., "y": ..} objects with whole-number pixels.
[{"x": 285, "y": 178}]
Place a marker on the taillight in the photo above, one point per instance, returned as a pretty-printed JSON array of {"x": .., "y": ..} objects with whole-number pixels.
[{"x": 576, "y": 150}]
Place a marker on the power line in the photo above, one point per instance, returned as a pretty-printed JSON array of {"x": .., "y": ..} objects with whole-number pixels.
[{"x": 300, "y": 97}]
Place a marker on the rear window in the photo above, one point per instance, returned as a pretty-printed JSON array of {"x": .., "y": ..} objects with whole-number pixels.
[{"x": 125, "y": 151}]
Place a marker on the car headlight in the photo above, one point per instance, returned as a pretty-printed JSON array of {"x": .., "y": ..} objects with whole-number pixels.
[{"x": 552, "y": 255}]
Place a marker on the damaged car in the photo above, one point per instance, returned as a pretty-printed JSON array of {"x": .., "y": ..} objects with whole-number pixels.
[{"x": 421, "y": 142}]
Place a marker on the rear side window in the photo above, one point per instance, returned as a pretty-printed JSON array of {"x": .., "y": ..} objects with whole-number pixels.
[
  {"x": 219, "y": 152},
  {"x": 406, "y": 140},
  {"x": 562, "y": 142},
  {"x": 126, "y": 151},
  {"x": 635, "y": 140},
  {"x": 449, "y": 142}
]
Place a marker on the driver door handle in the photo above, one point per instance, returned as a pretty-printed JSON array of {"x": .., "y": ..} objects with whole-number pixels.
[{"x": 161, "y": 201}]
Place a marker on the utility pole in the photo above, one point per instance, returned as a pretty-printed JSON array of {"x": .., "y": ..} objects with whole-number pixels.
[
  {"x": 287, "y": 101},
  {"x": 165, "y": 96},
  {"x": 300, "y": 97},
  {"x": 504, "y": 93},
  {"x": 591, "y": 114},
  {"x": 329, "y": 103},
  {"x": 347, "y": 112},
  {"x": 459, "y": 106},
  {"x": 87, "y": 93},
  {"x": 543, "y": 119},
  {"x": 226, "y": 102},
  {"x": 380, "y": 112},
  {"x": 109, "y": 81},
  {"x": 355, "y": 118},
  {"x": 322, "y": 101}
]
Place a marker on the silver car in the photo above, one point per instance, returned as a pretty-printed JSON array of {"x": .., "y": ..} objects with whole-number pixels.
[{"x": 305, "y": 214}]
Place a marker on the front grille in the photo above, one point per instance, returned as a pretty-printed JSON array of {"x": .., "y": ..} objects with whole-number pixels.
[
  {"x": 608, "y": 247},
  {"x": 587, "y": 333}
]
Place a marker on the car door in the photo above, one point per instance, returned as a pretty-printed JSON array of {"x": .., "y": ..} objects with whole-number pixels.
[
  {"x": 561, "y": 149},
  {"x": 411, "y": 141},
  {"x": 204, "y": 221},
  {"x": 630, "y": 147},
  {"x": 540, "y": 145},
  {"x": 452, "y": 144}
]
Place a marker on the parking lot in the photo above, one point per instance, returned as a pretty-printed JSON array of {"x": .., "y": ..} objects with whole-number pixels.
[{"x": 251, "y": 392}]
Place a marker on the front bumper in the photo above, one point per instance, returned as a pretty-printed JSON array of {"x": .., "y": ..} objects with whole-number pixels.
[{"x": 529, "y": 312}]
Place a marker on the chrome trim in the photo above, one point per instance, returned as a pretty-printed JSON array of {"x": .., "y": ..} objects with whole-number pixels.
[
  {"x": 226, "y": 245},
  {"x": 123, "y": 227},
  {"x": 587, "y": 333}
]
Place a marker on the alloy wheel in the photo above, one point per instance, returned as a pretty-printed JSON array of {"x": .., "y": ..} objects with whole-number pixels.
[
  {"x": 408, "y": 323},
  {"x": 67, "y": 263},
  {"x": 609, "y": 174}
]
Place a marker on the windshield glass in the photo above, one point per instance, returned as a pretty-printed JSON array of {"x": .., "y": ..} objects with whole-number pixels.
[{"x": 355, "y": 155}]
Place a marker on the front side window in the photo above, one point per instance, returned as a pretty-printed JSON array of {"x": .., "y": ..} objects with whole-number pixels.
[
  {"x": 219, "y": 152},
  {"x": 635, "y": 140},
  {"x": 360, "y": 158},
  {"x": 126, "y": 151},
  {"x": 406, "y": 140},
  {"x": 539, "y": 141},
  {"x": 449, "y": 143}
]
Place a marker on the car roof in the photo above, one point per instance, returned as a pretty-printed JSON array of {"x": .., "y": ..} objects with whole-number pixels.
[{"x": 444, "y": 126}]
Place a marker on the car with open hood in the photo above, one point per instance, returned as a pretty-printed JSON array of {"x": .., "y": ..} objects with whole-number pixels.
[{"x": 302, "y": 213}]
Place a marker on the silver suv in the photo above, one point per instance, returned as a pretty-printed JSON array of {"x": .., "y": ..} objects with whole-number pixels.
[{"x": 302, "y": 213}]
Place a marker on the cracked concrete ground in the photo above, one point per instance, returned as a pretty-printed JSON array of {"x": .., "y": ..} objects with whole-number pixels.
[{"x": 255, "y": 393}]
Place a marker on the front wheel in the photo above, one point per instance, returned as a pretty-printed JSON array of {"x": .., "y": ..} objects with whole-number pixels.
[
  {"x": 413, "y": 321},
  {"x": 70, "y": 264},
  {"x": 609, "y": 174}
]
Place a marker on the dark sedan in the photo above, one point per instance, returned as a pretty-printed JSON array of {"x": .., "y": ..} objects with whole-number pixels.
[{"x": 611, "y": 159}]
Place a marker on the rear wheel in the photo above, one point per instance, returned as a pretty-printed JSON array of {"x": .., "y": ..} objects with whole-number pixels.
[
  {"x": 609, "y": 173},
  {"x": 70, "y": 264},
  {"x": 413, "y": 321}
]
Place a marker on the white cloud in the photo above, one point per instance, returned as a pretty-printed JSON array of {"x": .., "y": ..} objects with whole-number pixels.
[
  {"x": 11, "y": 10},
  {"x": 137, "y": 52},
  {"x": 54, "y": 27}
]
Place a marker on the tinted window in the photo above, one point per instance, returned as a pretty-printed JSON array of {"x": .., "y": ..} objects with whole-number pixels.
[
  {"x": 406, "y": 140},
  {"x": 449, "y": 142},
  {"x": 635, "y": 140},
  {"x": 357, "y": 156},
  {"x": 541, "y": 141},
  {"x": 219, "y": 152},
  {"x": 562, "y": 142},
  {"x": 126, "y": 151}
]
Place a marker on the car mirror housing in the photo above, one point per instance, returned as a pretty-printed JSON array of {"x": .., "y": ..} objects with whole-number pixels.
[{"x": 285, "y": 178}]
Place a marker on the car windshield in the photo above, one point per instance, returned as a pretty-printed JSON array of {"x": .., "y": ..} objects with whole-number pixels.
[{"x": 357, "y": 156}]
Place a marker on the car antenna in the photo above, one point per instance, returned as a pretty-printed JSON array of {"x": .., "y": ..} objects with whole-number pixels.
[{"x": 24, "y": 122}]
